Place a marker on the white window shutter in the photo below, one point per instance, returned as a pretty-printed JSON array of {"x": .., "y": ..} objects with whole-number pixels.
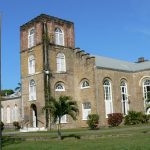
[{"x": 64, "y": 119}]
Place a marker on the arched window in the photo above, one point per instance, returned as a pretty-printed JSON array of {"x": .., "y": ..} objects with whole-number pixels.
[
  {"x": 2, "y": 113},
  {"x": 59, "y": 37},
  {"x": 8, "y": 114},
  {"x": 108, "y": 97},
  {"x": 124, "y": 97},
  {"x": 16, "y": 113},
  {"x": 32, "y": 90},
  {"x": 31, "y": 64},
  {"x": 85, "y": 84},
  {"x": 61, "y": 63},
  {"x": 59, "y": 87},
  {"x": 146, "y": 93},
  {"x": 31, "y": 38}
]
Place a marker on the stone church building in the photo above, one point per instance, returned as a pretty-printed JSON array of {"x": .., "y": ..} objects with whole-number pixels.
[
  {"x": 11, "y": 109},
  {"x": 50, "y": 62}
]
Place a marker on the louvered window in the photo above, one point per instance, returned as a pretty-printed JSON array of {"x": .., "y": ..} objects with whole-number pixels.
[
  {"x": 31, "y": 64},
  {"x": 32, "y": 90},
  {"x": 31, "y": 38},
  {"x": 59, "y": 37},
  {"x": 61, "y": 63}
]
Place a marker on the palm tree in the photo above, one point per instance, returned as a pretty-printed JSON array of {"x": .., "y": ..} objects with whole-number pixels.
[
  {"x": 18, "y": 88},
  {"x": 49, "y": 106},
  {"x": 63, "y": 106}
]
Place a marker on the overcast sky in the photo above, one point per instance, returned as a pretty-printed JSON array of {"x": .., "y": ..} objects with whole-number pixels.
[{"x": 112, "y": 28}]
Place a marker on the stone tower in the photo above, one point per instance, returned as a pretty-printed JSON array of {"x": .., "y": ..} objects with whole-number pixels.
[{"x": 45, "y": 42}]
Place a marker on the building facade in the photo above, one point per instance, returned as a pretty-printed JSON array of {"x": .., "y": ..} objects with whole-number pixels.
[
  {"x": 11, "y": 109},
  {"x": 50, "y": 62}
]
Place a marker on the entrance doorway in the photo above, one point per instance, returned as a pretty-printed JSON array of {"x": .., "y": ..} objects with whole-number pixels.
[{"x": 33, "y": 116}]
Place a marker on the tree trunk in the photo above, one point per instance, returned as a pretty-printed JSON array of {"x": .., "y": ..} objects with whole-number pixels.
[{"x": 59, "y": 130}]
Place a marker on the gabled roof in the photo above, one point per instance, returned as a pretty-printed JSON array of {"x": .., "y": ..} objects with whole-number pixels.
[{"x": 115, "y": 64}]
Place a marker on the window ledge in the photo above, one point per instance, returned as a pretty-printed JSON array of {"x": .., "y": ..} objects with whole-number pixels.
[
  {"x": 84, "y": 119},
  {"x": 59, "y": 90},
  {"x": 32, "y": 100},
  {"x": 61, "y": 72},
  {"x": 31, "y": 74},
  {"x": 85, "y": 87}
]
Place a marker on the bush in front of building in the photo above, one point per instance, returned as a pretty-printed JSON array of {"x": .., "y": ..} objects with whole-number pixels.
[
  {"x": 134, "y": 117},
  {"x": 93, "y": 121},
  {"x": 2, "y": 126},
  {"x": 115, "y": 119},
  {"x": 16, "y": 125}
]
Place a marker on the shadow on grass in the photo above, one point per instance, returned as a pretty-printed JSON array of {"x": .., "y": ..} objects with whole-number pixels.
[
  {"x": 8, "y": 140},
  {"x": 71, "y": 136}
]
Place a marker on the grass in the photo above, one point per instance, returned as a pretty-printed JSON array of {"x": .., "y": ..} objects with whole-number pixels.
[{"x": 122, "y": 138}]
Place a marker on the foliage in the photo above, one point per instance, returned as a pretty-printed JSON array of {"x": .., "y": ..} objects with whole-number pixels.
[
  {"x": 6, "y": 92},
  {"x": 115, "y": 119},
  {"x": 93, "y": 121},
  {"x": 2, "y": 126},
  {"x": 18, "y": 88},
  {"x": 16, "y": 125},
  {"x": 134, "y": 117},
  {"x": 58, "y": 108}
]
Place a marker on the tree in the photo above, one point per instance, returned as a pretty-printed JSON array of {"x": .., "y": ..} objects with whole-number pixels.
[
  {"x": 48, "y": 108},
  {"x": 63, "y": 106},
  {"x": 6, "y": 92},
  {"x": 18, "y": 88}
]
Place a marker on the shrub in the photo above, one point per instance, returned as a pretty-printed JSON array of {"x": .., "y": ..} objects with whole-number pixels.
[
  {"x": 93, "y": 121},
  {"x": 2, "y": 126},
  {"x": 115, "y": 119},
  {"x": 134, "y": 117},
  {"x": 145, "y": 118},
  {"x": 16, "y": 125}
]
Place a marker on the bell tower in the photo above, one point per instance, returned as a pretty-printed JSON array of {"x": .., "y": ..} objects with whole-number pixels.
[{"x": 40, "y": 39}]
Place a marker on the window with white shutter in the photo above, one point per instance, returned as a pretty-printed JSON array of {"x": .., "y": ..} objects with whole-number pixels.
[
  {"x": 8, "y": 114},
  {"x": 63, "y": 119},
  {"x": 146, "y": 94},
  {"x": 31, "y": 38},
  {"x": 108, "y": 97},
  {"x": 2, "y": 114},
  {"x": 31, "y": 64},
  {"x": 124, "y": 97},
  {"x": 86, "y": 110},
  {"x": 16, "y": 113},
  {"x": 61, "y": 62},
  {"x": 32, "y": 90},
  {"x": 59, "y": 37}
]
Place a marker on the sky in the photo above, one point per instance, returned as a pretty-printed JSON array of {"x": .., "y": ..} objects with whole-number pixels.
[{"x": 113, "y": 28}]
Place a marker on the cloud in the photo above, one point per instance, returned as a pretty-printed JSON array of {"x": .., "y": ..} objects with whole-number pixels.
[{"x": 142, "y": 31}]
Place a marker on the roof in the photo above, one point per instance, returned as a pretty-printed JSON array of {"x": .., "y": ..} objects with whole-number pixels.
[
  {"x": 42, "y": 17},
  {"x": 15, "y": 95},
  {"x": 115, "y": 64}
]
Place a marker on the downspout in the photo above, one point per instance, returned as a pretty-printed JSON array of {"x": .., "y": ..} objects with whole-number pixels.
[{"x": 46, "y": 69}]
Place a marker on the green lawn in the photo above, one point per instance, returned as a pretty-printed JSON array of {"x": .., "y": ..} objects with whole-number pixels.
[{"x": 125, "y": 138}]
